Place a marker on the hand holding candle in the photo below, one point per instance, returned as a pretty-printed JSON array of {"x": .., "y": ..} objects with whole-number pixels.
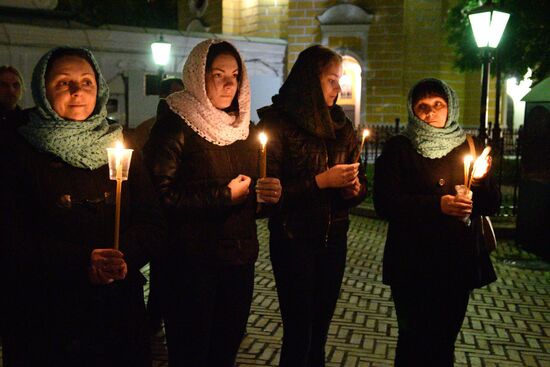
[
  {"x": 119, "y": 167},
  {"x": 461, "y": 204},
  {"x": 268, "y": 190}
]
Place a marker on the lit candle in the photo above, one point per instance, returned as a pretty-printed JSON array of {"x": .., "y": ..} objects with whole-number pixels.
[
  {"x": 118, "y": 160},
  {"x": 467, "y": 162},
  {"x": 119, "y": 167},
  {"x": 480, "y": 165},
  {"x": 366, "y": 133},
  {"x": 263, "y": 155}
]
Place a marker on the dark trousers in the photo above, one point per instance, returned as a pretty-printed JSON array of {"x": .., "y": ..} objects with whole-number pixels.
[
  {"x": 429, "y": 320},
  {"x": 308, "y": 276},
  {"x": 206, "y": 311}
]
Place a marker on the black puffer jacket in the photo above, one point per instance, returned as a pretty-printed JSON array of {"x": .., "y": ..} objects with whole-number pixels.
[
  {"x": 191, "y": 176},
  {"x": 296, "y": 156}
]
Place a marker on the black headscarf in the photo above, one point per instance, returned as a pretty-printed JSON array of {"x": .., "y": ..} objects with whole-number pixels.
[{"x": 301, "y": 97}]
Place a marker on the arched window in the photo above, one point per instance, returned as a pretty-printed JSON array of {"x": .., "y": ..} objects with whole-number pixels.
[{"x": 350, "y": 97}]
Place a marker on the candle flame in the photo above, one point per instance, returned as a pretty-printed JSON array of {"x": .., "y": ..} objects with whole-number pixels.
[
  {"x": 485, "y": 152},
  {"x": 468, "y": 159},
  {"x": 366, "y": 133},
  {"x": 119, "y": 145},
  {"x": 263, "y": 138},
  {"x": 480, "y": 168}
]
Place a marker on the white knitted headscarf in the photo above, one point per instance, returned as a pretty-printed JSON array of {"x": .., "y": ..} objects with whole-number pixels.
[{"x": 195, "y": 108}]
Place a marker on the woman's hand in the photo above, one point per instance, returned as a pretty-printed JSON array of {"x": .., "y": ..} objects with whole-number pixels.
[
  {"x": 106, "y": 266},
  {"x": 269, "y": 189},
  {"x": 338, "y": 176},
  {"x": 351, "y": 191},
  {"x": 456, "y": 206},
  {"x": 239, "y": 188}
]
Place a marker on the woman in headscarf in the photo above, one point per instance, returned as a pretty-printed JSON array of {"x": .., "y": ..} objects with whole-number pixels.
[
  {"x": 431, "y": 258},
  {"x": 203, "y": 157},
  {"x": 313, "y": 151},
  {"x": 73, "y": 299}
]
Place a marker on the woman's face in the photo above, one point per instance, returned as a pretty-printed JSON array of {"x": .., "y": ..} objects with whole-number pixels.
[
  {"x": 432, "y": 110},
  {"x": 222, "y": 81},
  {"x": 330, "y": 82},
  {"x": 71, "y": 88}
]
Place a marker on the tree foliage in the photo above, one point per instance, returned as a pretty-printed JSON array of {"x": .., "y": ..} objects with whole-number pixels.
[
  {"x": 140, "y": 13},
  {"x": 525, "y": 43}
]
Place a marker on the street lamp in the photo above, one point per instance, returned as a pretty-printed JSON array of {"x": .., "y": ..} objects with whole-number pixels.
[
  {"x": 488, "y": 25},
  {"x": 161, "y": 54}
]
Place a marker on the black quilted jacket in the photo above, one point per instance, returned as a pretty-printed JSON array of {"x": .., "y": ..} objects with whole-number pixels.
[
  {"x": 296, "y": 156},
  {"x": 191, "y": 176}
]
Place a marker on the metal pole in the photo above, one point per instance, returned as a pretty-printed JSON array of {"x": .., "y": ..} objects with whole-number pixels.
[
  {"x": 500, "y": 153},
  {"x": 496, "y": 134},
  {"x": 162, "y": 74},
  {"x": 519, "y": 141},
  {"x": 497, "y": 100},
  {"x": 366, "y": 155},
  {"x": 484, "y": 96}
]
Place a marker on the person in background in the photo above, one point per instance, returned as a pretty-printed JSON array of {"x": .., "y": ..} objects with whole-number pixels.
[
  {"x": 11, "y": 117},
  {"x": 11, "y": 92},
  {"x": 431, "y": 258},
  {"x": 314, "y": 151},
  {"x": 203, "y": 157},
  {"x": 169, "y": 86},
  {"x": 73, "y": 300},
  {"x": 140, "y": 134}
]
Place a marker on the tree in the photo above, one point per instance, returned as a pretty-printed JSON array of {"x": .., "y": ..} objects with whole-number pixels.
[{"x": 525, "y": 43}]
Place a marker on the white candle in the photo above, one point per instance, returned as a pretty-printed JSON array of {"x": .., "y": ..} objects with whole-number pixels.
[
  {"x": 119, "y": 167},
  {"x": 467, "y": 162},
  {"x": 263, "y": 155},
  {"x": 366, "y": 133}
]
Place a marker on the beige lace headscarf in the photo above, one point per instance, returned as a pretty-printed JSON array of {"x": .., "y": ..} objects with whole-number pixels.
[{"x": 195, "y": 108}]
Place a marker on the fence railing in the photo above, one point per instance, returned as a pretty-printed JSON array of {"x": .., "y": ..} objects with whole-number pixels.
[{"x": 506, "y": 157}]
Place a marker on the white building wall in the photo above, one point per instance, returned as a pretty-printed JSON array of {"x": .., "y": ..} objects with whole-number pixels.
[{"x": 126, "y": 51}]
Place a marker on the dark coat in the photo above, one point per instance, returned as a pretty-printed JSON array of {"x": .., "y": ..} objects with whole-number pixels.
[
  {"x": 423, "y": 245},
  {"x": 11, "y": 119},
  {"x": 191, "y": 176},
  {"x": 296, "y": 156},
  {"x": 57, "y": 317}
]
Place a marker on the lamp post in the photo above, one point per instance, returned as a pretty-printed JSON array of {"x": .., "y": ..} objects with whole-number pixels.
[
  {"x": 488, "y": 25},
  {"x": 161, "y": 55}
]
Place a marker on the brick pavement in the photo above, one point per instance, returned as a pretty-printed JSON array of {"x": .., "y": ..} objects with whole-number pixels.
[{"x": 507, "y": 324}]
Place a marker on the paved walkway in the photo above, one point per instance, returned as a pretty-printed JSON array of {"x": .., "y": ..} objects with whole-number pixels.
[{"x": 507, "y": 324}]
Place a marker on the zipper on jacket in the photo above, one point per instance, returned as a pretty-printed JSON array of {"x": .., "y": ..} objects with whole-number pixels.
[{"x": 329, "y": 206}]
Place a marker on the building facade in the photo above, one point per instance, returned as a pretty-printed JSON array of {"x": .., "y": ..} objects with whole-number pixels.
[{"x": 387, "y": 44}]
